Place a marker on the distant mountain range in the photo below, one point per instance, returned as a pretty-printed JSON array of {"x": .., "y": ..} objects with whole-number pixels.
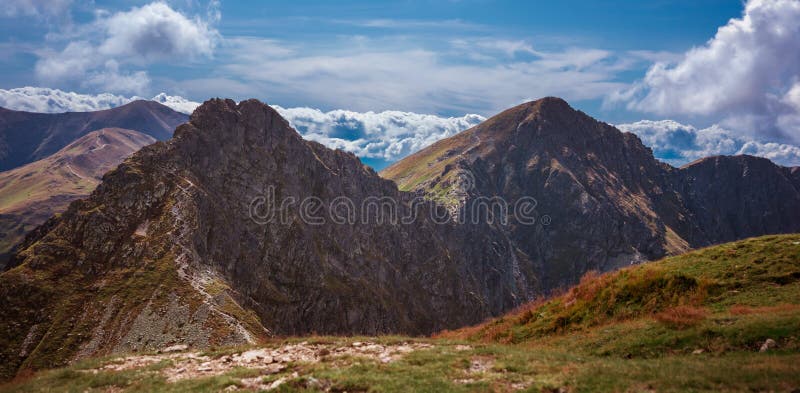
[
  {"x": 26, "y": 137},
  {"x": 51, "y": 159},
  {"x": 34, "y": 192},
  {"x": 171, "y": 248}
]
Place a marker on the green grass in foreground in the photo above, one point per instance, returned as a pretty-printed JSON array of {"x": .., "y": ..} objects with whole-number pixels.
[
  {"x": 448, "y": 368},
  {"x": 689, "y": 323}
]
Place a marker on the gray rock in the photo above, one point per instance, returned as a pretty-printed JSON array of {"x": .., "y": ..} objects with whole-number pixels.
[{"x": 768, "y": 345}]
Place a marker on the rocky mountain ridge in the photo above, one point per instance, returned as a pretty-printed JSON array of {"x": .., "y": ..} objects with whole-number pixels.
[
  {"x": 610, "y": 202},
  {"x": 171, "y": 253},
  {"x": 170, "y": 250}
]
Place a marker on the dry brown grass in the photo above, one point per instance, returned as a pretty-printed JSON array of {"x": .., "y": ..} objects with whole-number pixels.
[
  {"x": 681, "y": 317},
  {"x": 738, "y": 309},
  {"x": 495, "y": 330},
  {"x": 464, "y": 333},
  {"x": 591, "y": 283}
]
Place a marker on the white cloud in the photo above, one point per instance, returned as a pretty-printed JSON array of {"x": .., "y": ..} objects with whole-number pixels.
[
  {"x": 96, "y": 55},
  {"x": 388, "y": 135},
  {"x": 177, "y": 103},
  {"x": 75, "y": 59},
  {"x": 367, "y": 74},
  {"x": 508, "y": 47},
  {"x": 156, "y": 32},
  {"x": 214, "y": 11},
  {"x": 656, "y": 56},
  {"x": 412, "y": 24},
  {"x": 45, "y": 100},
  {"x": 678, "y": 144},
  {"x": 741, "y": 77},
  {"x": 110, "y": 78}
]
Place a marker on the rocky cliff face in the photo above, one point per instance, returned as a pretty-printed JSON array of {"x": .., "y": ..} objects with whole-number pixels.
[
  {"x": 169, "y": 252},
  {"x": 737, "y": 197},
  {"x": 607, "y": 201}
]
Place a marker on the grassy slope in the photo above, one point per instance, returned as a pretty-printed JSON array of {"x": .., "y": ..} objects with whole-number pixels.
[
  {"x": 633, "y": 330},
  {"x": 721, "y": 298},
  {"x": 426, "y": 169}
]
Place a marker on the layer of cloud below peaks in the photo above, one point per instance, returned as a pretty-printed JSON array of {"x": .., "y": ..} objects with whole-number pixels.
[
  {"x": 391, "y": 135},
  {"x": 386, "y": 136},
  {"x": 679, "y": 144}
]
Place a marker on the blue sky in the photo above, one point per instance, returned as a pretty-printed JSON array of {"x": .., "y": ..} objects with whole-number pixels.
[
  {"x": 702, "y": 65},
  {"x": 325, "y": 27}
]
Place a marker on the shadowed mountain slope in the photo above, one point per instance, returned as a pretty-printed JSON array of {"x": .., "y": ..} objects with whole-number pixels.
[
  {"x": 609, "y": 202},
  {"x": 734, "y": 197}
]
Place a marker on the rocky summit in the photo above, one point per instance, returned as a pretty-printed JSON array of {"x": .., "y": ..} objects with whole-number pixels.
[
  {"x": 237, "y": 229},
  {"x": 606, "y": 200}
]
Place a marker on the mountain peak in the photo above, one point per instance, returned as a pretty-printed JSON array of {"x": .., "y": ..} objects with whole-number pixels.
[
  {"x": 259, "y": 122},
  {"x": 544, "y": 107},
  {"x": 737, "y": 160},
  {"x": 550, "y": 103}
]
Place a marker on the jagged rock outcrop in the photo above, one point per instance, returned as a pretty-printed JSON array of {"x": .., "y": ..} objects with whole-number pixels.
[
  {"x": 608, "y": 202},
  {"x": 168, "y": 251}
]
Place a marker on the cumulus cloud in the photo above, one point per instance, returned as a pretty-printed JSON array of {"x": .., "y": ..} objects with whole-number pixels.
[
  {"x": 111, "y": 78},
  {"x": 46, "y": 100},
  {"x": 387, "y": 135},
  {"x": 97, "y": 55},
  {"x": 679, "y": 144},
  {"x": 177, "y": 103},
  {"x": 746, "y": 76},
  {"x": 155, "y": 32}
]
